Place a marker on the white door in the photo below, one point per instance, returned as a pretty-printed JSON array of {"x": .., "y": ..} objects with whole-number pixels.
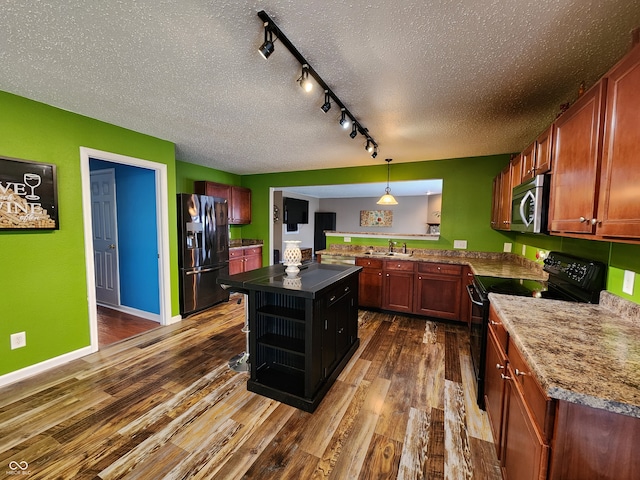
[{"x": 105, "y": 236}]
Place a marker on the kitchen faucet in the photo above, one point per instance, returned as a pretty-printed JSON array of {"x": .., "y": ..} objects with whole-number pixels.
[{"x": 391, "y": 244}]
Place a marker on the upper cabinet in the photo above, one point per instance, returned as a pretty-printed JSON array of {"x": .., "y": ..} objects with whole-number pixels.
[
  {"x": 596, "y": 169},
  {"x": 576, "y": 161},
  {"x": 239, "y": 199},
  {"x": 619, "y": 200}
]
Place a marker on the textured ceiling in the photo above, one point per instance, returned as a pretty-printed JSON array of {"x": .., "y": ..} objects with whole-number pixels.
[{"x": 430, "y": 79}]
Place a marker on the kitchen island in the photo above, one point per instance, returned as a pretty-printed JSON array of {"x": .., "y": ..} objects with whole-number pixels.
[{"x": 302, "y": 330}]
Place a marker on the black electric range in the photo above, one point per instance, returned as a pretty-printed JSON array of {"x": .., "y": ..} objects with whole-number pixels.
[{"x": 571, "y": 279}]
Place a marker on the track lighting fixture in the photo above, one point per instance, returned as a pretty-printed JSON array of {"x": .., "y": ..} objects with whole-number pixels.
[
  {"x": 267, "y": 48},
  {"x": 387, "y": 198},
  {"x": 304, "y": 81},
  {"x": 344, "y": 121},
  {"x": 273, "y": 33},
  {"x": 326, "y": 106}
]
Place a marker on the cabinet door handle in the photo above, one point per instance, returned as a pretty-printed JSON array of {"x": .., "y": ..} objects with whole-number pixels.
[
  {"x": 341, "y": 330},
  {"x": 332, "y": 298},
  {"x": 491, "y": 322},
  {"x": 520, "y": 373},
  {"x": 505, "y": 377},
  {"x": 499, "y": 367}
]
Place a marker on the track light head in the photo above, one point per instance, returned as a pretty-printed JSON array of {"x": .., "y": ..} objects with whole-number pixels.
[
  {"x": 354, "y": 130},
  {"x": 304, "y": 81},
  {"x": 267, "y": 47},
  {"x": 326, "y": 106},
  {"x": 344, "y": 121}
]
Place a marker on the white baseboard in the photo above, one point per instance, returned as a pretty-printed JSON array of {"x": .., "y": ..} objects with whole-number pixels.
[
  {"x": 32, "y": 370},
  {"x": 175, "y": 319}
]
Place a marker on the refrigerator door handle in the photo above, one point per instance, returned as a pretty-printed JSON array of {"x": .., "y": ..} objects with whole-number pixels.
[{"x": 203, "y": 270}]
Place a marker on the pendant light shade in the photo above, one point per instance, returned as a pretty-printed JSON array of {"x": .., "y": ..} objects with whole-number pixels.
[{"x": 387, "y": 198}]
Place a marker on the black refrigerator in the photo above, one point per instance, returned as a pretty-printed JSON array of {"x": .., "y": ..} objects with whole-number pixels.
[
  {"x": 203, "y": 251},
  {"x": 323, "y": 221}
]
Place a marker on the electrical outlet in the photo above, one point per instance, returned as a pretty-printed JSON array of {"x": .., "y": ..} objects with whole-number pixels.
[
  {"x": 507, "y": 247},
  {"x": 524, "y": 250},
  {"x": 18, "y": 340},
  {"x": 460, "y": 244},
  {"x": 347, "y": 239},
  {"x": 627, "y": 284}
]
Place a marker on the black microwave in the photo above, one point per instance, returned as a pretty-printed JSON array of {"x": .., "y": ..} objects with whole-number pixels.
[{"x": 530, "y": 205}]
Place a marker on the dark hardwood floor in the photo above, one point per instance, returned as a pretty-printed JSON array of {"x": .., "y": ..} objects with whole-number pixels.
[
  {"x": 114, "y": 326},
  {"x": 164, "y": 404}
]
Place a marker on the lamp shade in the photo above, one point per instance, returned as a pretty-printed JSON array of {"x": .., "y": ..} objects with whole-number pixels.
[{"x": 387, "y": 199}]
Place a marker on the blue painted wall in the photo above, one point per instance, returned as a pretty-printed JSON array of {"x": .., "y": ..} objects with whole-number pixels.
[{"x": 137, "y": 235}]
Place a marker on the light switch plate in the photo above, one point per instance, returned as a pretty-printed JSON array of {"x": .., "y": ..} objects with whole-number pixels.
[
  {"x": 507, "y": 247},
  {"x": 627, "y": 284},
  {"x": 460, "y": 244}
]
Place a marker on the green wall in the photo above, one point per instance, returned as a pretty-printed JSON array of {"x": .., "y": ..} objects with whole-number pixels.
[
  {"x": 44, "y": 291},
  {"x": 466, "y": 197}
]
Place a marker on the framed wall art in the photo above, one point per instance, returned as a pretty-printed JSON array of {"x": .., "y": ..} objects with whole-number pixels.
[
  {"x": 376, "y": 218},
  {"x": 28, "y": 195}
]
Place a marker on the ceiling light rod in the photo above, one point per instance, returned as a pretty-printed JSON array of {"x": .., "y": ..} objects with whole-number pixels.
[{"x": 270, "y": 26}]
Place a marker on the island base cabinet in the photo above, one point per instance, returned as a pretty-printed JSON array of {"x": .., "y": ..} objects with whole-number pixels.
[
  {"x": 595, "y": 444},
  {"x": 299, "y": 345}
]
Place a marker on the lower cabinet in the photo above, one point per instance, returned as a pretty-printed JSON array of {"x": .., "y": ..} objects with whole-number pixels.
[
  {"x": 539, "y": 438},
  {"x": 423, "y": 288},
  {"x": 438, "y": 290},
  {"x": 370, "y": 286},
  {"x": 244, "y": 259},
  {"x": 520, "y": 413},
  {"x": 397, "y": 284}
]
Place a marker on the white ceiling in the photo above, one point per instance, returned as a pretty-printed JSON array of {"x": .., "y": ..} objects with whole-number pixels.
[{"x": 430, "y": 79}]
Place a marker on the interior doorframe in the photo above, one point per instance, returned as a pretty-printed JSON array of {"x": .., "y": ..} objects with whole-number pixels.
[{"x": 162, "y": 221}]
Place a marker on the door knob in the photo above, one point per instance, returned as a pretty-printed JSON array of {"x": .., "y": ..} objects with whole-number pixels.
[{"x": 112, "y": 247}]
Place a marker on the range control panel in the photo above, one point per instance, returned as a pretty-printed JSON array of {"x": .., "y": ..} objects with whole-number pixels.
[{"x": 587, "y": 274}]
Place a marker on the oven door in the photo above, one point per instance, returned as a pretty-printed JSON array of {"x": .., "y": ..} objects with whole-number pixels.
[{"x": 478, "y": 335}]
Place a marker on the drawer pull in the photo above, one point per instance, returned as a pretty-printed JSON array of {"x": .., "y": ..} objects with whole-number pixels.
[
  {"x": 491, "y": 322},
  {"x": 520, "y": 373},
  {"x": 332, "y": 298},
  {"x": 341, "y": 330},
  {"x": 505, "y": 377},
  {"x": 499, "y": 367}
]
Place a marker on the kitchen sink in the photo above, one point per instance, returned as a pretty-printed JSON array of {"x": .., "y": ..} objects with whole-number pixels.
[{"x": 389, "y": 254}]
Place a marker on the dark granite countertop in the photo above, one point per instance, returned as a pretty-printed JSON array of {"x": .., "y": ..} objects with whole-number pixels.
[{"x": 580, "y": 353}]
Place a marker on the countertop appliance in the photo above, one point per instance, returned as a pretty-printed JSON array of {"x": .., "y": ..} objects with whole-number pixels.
[
  {"x": 203, "y": 251},
  {"x": 571, "y": 279},
  {"x": 530, "y": 205}
]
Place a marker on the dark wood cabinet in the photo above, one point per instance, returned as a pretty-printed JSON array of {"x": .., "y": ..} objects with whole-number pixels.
[
  {"x": 517, "y": 167},
  {"x": 544, "y": 151},
  {"x": 528, "y": 163},
  {"x": 501, "y": 207},
  {"x": 520, "y": 413},
  {"x": 576, "y": 163},
  {"x": 370, "y": 288},
  {"x": 398, "y": 285},
  {"x": 619, "y": 199},
  {"x": 526, "y": 454},
  {"x": 494, "y": 387},
  {"x": 239, "y": 199},
  {"x": 301, "y": 334},
  {"x": 438, "y": 290},
  {"x": 244, "y": 259}
]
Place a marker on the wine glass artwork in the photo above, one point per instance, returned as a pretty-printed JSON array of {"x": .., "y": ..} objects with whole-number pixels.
[{"x": 32, "y": 180}]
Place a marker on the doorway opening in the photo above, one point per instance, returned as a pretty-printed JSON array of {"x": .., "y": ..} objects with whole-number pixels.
[{"x": 148, "y": 294}]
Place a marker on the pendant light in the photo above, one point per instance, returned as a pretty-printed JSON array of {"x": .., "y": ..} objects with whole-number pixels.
[{"x": 387, "y": 198}]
